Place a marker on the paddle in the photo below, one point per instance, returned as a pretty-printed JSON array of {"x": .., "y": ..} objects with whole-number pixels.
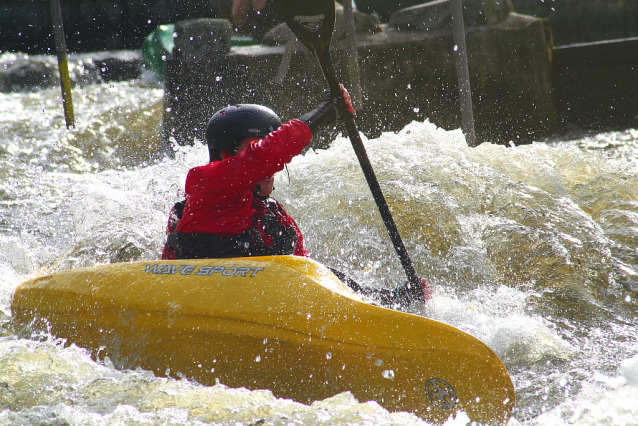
[{"x": 313, "y": 22}]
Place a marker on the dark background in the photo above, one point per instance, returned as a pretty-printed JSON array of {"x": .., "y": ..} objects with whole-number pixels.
[{"x": 94, "y": 25}]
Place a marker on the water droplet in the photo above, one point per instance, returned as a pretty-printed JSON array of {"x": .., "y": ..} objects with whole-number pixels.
[{"x": 388, "y": 374}]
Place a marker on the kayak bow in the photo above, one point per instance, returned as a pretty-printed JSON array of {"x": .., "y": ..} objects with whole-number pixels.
[{"x": 283, "y": 323}]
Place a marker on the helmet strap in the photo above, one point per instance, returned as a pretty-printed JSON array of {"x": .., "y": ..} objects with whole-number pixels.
[{"x": 287, "y": 174}]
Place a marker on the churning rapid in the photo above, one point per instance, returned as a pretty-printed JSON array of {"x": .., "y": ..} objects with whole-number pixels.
[{"x": 532, "y": 249}]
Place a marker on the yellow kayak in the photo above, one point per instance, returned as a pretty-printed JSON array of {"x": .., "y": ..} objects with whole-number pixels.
[{"x": 283, "y": 323}]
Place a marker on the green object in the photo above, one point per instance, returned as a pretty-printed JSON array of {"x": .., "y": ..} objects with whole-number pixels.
[{"x": 158, "y": 47}]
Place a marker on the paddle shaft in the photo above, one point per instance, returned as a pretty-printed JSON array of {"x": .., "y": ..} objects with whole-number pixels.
[
  {"x": 325, "y": 61},
  {"x": 313, "y": 23}
]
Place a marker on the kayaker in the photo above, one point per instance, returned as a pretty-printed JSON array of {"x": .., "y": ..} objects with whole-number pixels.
[{"x": 228, "y": 210}]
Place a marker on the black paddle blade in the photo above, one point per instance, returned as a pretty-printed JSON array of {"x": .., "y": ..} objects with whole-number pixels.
[{"x": 312, "y": 21}]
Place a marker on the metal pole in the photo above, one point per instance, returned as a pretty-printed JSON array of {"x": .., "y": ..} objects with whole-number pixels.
[
  {"x": 353, "y": 56},
  {"x": 463, "y": 73},
  {"x": 63, "y": 63}
]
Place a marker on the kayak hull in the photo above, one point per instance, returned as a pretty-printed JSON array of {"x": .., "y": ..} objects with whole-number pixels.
[{"x": 282, "y": 323}]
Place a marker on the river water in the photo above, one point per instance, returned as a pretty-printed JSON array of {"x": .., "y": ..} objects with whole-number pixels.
[{"x": 533, "y": 249}]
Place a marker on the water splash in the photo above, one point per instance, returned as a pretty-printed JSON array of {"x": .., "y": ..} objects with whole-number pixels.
[{"x": 532, "y": 249}]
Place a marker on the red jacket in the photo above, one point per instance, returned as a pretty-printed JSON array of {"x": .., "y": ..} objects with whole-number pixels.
[
  {"x": 219, "y": 199},
  {"x": 218, "y": 195}
]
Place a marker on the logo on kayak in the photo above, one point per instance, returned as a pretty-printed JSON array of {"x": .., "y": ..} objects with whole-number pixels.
[
  {"x": 311, "y": 23},
  {"x": 226, "y": 271},
  {"x": 441, "y": 393}
]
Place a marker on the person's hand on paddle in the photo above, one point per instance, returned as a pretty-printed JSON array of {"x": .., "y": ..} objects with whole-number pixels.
[
  {"x": 328, "y": 96},
  {"x": 427, "y": 290},
  {"x": 420, "y": 291},
  {"x": 408, "y": 293},
  {"x": 329, "y": 111},
  {"x": 348, "y": 99}
]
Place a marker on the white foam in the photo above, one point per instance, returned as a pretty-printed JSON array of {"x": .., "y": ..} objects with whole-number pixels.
[{"x": 629, "y": 371}]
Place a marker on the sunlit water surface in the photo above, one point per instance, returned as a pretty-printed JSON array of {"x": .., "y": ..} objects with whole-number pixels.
[{"x": 533, "y": 249}]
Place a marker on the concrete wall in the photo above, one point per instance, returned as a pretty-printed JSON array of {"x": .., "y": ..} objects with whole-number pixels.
[
  {"x": 582, "y": 21},
  {"x": 596, "y": 84},
  {"x": 405, "y": 76}
]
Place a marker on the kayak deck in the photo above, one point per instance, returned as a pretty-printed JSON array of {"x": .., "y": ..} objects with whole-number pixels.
[{"x": 283, "y": 323}]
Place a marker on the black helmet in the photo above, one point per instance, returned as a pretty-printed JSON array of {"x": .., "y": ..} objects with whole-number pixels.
[{"x": 235, "y": 122}]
